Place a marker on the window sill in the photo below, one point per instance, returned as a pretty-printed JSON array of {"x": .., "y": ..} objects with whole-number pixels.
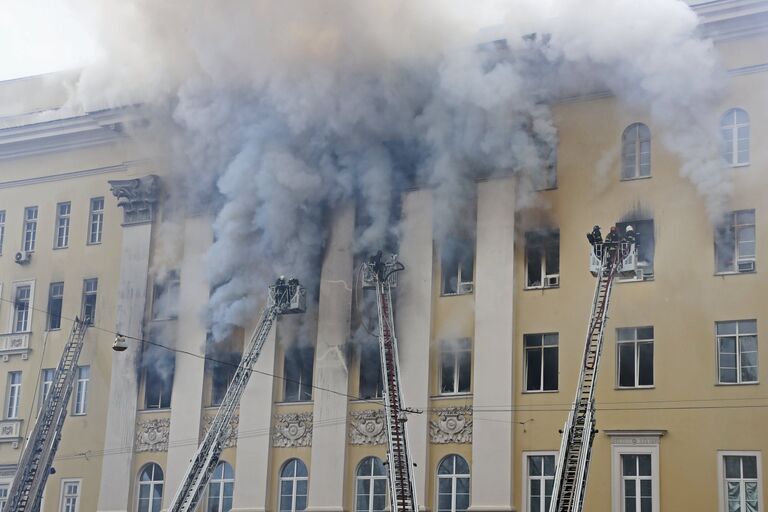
[
  {"x": 80, "y": 415},
  {"x": 164, "y": 409},
  {"x": 527, "y": 288},
  {"x": 733, "y": 273},
  {"x": 636, "y": 178},
  {"x": 634, "y": 388},
  {"x": 302, "y": 402},
  {"x": 62, "y": 247},
  {"x": 547, "y": 189},
  {"x": 363, "y": 401},
  {"x": 728, "y": 384},
  {"x": 733, "y": 166},
  {"x": 455, "y": 294},
  {"x": 93, "y": 243},
  {"x": 537, "y": 392},
  {"x": 643, "y": 280},
  {"x": 449, "y": 396}
]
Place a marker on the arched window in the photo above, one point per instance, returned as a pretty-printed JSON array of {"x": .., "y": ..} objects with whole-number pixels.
[
  {"x": 150, "y": 488},
  {"x": 371, "y": 486},
  {"x": 220, "y": 488},
  {"x": 453, "y": 484},
  {"x": 734, "y": 131},
  {"x": 293, "y": 486},
  {"x": 636, "y": 152}
]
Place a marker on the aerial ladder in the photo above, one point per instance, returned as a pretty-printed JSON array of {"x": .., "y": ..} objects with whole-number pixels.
[
  {"x": 26, "y": 491},
  {"x": 380, "y": 274},
  {"x": 285, "y": 297},
  {"x": 608, "y": 259}
]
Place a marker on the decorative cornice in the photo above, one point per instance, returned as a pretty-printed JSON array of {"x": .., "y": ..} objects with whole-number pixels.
[
  {"x": 292, "y": 430},
  {"x": 367, "y": 427},
  {"x": 152, "y": 435},
  {"x": 731, "y": 19},
  {"x": 137, "y": 197},
  {"x": 634, "y": 437},
  {"x": 123, "y": 167},
  {"x": 230, "y": 434},
  {"x": 451, "y": 425}
]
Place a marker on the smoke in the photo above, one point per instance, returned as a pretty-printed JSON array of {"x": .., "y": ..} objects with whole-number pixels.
[{"x": 276, "y": 112}]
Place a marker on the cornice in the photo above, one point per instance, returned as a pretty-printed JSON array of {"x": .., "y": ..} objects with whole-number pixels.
[
  {"x": 122, "y": 167},
  {"x": 731, "y": 19}
]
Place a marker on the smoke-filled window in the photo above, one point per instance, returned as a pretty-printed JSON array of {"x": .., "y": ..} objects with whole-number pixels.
[
  {"x": 222, "y": 367},
  {"x": 455, "y": 366},
  {"x": 541, "y": 361},
  {"x": 734, "y": 130},
  {"x": 457, "y": 259},
  {"x": 636, "y": 152},
  {"x": 159, "y": 367},
  {"x": 371, "y": 385},
  {"x": 545, "y": 178},
  {"x": 645, "y": 244},
  {"x": 297, "y": 373},
  {"x": 542, "y": 259},
  {"x": 635, "y": 356},
  {"x": 165, "y": 296},
  {"x": 735, "y": 242}
]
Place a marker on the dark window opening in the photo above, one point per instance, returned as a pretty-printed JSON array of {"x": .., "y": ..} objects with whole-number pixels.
[
  {"x": 541, "y": 362},
  {"x": 297, "y": 373},
  {"x": 159, "y": 367},
  {"x": 55, "y": 301},
  {"x": 542, "y": 259},
  {"x": 371, "y": 385},
  {"x": 455, "y": 366},
  {"x": 457, "y": 263}
]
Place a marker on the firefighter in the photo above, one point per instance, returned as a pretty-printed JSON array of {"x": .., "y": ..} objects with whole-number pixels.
[
  {"x": 595, "y": 237},
  {"x": 280, "y": 289},
  {"x": 612, "y": 241},
  {"x": 629, "y": 235}
]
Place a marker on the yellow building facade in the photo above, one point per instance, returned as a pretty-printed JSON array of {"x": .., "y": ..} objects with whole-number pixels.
[{"x": 490, "y": 342}]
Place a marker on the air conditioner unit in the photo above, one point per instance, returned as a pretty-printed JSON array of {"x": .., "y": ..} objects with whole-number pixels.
[
  {"x": 22, "y": 257},
  {"x": 552, "y": 281},
  {"x": 746, "y": 266},
  {"x": 464, "y": 288}
]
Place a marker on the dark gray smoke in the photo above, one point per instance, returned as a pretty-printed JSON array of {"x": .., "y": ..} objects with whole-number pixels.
[{"x": 275, "y": 112}]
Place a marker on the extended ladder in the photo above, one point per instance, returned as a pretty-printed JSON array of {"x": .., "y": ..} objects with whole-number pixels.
[
  {"x": 284, "y": 298},
  {"x": 402, "y": 489},
  {"x": 607, "y": 260},
  {"x": 35, "y": 465}
]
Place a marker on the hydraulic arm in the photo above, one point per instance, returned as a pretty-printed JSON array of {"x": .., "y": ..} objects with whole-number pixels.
[{"x": 284, "y": 298}]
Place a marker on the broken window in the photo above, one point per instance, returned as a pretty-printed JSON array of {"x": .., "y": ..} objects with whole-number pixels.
[
  {"x": 165, "y": 297},
  {"x": 542, "y": 259},
  {"x": 297, "y": 373},
  {"x": 159, "y": 366},
  {"x": 541, "y": 362},
  {"x": 735, "y": 242},
  {"x": 636, "y": 152},
  {"x": 737, "y": 351},
  {"x": 635, "y": 356},
  {"x": 734, "y": 132},
  {"x": 644, "y": 245},
  {"x": 371, "y": 384},
  {"x": 455, "y": 366},
  {"x": 457, "y": 263}
]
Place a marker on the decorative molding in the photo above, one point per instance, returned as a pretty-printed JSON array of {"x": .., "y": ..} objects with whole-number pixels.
[
  {"x": 7, "y": 471},
  {"x": 152, "y": 435},
  {"x": 367, "y": 427},
  {"x": 137, "y": 197},
  {"x": 292, "y": 430},
  {"x": 230, "y": 434},
  {"x": 123, "y": 167},
  {"x": 10, "y": 432},
  {"x": 13, "y": 344},
  {"x": 451, "y": 425},
  {"x": 634, "y": 437},
  {"x": 730, "y": 19},
  {"x": 748, "y": 70}
]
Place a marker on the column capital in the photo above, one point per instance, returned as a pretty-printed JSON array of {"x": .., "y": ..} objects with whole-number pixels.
[{"x": 137, "y": 197}]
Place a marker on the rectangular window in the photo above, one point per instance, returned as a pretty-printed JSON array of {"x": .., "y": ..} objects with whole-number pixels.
[
  {"x": 165, "y": 297},
  {"x": 297, "y": 373},
  {"x": 457, "y": 264},
  {"x": 737, "y": 351},
  {"x": 21, "y": 312},
  {"x": 55, "y": 302},
  {"x": 735, "y": 242},
  {"x": 81, "y": 390},
  {"x": 540, "y": 476},
  {"x": 634, "y": 351},
  {"x": 13, "y": 395},
  {"x": 455, "y": 366},
  {"x": 541, "y": 362},
  {"x": 223, "y": 368},
  {"x": 159, "y": 368},
  {"x": 542, "y": 259},
  {"x": 46, "y": 381},
  {"x": 636, "y": 483},
  {"x": 88, "y": 310},
  {"x": 62, "y": 225},
  {"x": 70, "y": 496},
  {"x": 2, "y": 230},
  {"x": 546, "y": 177},
  {"x": 740, "y": 473},
  {"x": 371, "y": 385},
  {"x": 30, "y": 228},
  {"x": 644, "y": 245},
  {"x": 96, "y": 220},
  {"x": 3, "y": 496}
]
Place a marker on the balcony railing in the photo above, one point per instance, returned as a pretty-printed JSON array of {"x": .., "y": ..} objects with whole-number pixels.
[{"x": 13, "y": 344}]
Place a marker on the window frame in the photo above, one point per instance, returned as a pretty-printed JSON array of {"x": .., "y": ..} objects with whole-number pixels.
[
  {"x": 540, "y": 348},
  {"x": 636, "y": 145},
  {"x": 301, "y": 384},
  {"x": 87, "y": 293},
  {"x": 721, "y": 487},
  {"x": 622, "y": 443},
  {"x": 222, "y": 482},
  {"x": 169, "y": 288},
  {"x": 151, "y": 483},
  {"x": 5, "y": 488},
  {"x": 734, "y": 226},
  {"x": 737, "y": 335},
  {"x": 45, "y": 385},
  {"x": 30, "y": 306},
  {"x": 63, "y": 494},
  {"x": 29, "y": 229},
  {"x": 62, "y": 225},
  {"x": 294, "y": 479},
  {"x": 370, "y": 482},
  {"x": 95, "y": 218},
  {"x": 456, "y": 351},
  {"x": 365, "y": 356},
  {"x": 82, "y": 383},
  {"x": 453, "y": 477},
  {"x": 13, "y": 395},
  {"x": 2, "y": 230},
  {"x": 463, "y": 286},
  {"x": 526, "y": 476},
  {"x": 542, "y": 242},
  {"x": 734, "y": 138},
  {"x": 636, "y": 342},
  {"x": 51, "y": 297}
]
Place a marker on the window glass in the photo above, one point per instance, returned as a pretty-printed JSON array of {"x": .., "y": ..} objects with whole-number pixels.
[
  {"x": 453, "y": 484},
  {"x": 297, "y": 373},
  {"x": 737, "y": 352},
  {"x": 541, "y": 361}
]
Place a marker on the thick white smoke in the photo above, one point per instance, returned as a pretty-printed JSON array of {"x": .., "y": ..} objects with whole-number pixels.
[{"x": 277, "y": 111}]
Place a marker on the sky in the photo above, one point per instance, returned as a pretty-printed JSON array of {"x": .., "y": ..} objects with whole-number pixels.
[{"x": 42, "y": 36}]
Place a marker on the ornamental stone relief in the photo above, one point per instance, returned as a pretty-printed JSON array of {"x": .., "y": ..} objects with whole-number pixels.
[
  {"x": 292, "y": 430},
  {"x": 451, "y": 425},
  {"x": 367, "y": 427},
  {"x": 137, "y": 197},
  {"x": 230, "y": 434},
  {"x": 152, "y": 435}
]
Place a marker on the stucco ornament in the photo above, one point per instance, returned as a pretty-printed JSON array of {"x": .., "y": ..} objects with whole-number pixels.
[
  {"x": 292, "y": 430},
  {"x": 229, "y": 439},
  {"x": 137, "y": 197},
  {"x": 152, "y": 435},
  {"x": 451, "y": 425},
  {"x": 367, "y": 427}
]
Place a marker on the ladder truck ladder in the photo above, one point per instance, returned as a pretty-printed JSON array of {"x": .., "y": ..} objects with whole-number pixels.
[
  {"x": 380, "y": 274},
  {"x": 26, "y": 491},
  {"x": 607, "y": 261},
  {"x": 284, "y": 298}
]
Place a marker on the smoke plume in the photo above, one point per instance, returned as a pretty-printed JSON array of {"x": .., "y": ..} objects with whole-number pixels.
[{"x": 275, "y": 112}]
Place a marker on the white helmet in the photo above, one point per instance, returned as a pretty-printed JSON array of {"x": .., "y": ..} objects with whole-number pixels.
[{"x": 629, "y": 228}]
